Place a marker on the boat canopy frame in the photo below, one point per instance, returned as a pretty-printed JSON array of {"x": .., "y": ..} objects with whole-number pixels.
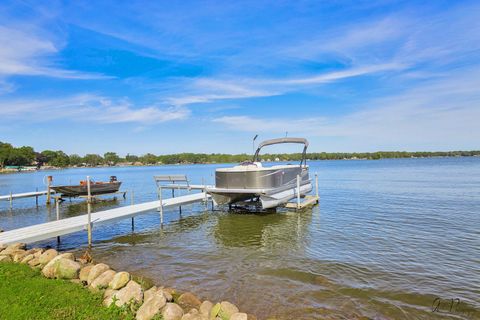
[{"x": 280, "y": 141}]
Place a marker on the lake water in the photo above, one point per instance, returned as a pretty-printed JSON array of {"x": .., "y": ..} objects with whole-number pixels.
[{"x": 388, "y": 239}]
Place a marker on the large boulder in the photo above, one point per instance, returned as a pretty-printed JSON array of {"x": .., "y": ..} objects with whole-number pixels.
[
  {"x": 120, "y": 280},
  {"x": 97, "y": 270},
  {"x": 239, "y": 316},
  {"x": 84, "y": 272},
  {"x": 223, "y": 310},
  {"x": 193, "y": 314},
  {"x": 227, "y": 309},
  {"x": 147, "y": 294},
  {"x": 38, "y": 252},
  {"x": 34, "y": 263},
  {"x": 61, "y": 268},
  {"x": 67, "y": 255},
  {"x": 131, "y": 293},
  {"x": 47, "y": 256},
  {"x": 102, "y": 281},
  {"x": 151, "y": 306},
  {"x": 5, "y": 258},
  {"x": 108, "y": 297},
  {"x": 172, "y": 311},
  {"x": 205, "y": 308},
  {"x": 14, "y": 247},
  {"x": 49, "y": 269},
  {"x": 188, "y": 301},
  {"x": 27, "y": 258},
  {"x": 18, "y": 255}
]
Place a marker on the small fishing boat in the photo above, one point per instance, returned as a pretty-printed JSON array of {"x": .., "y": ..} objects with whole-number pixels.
[
  {"x": 250, "y": 182},
  {"x": 96, "y": 188}
]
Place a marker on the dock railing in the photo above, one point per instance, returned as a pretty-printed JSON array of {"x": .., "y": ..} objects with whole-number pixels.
[{"x": 176, "y": 181}]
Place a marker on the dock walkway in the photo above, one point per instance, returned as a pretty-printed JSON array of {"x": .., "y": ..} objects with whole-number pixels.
[
  {"x": 70, "y": 225},
  {"x": 9, "y": 197}
]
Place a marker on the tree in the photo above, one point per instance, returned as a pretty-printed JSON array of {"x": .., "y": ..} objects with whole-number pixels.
[
  {"x": 93, "y": 159},
  {"x": 111, "y": 158},
  {"x": 48, "y": 156},
  {"x": 5, "y": 149},
  {"x": 75, "y": 160},
  {"x": 148, "y": 159},
  {"x": 131, "y": 158},
  {"x": 60, "y": 160},
  {"x": 23, "y": 156}
]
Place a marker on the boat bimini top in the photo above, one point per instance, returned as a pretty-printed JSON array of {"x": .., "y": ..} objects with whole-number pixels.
[{"x": 265, "y": 143}]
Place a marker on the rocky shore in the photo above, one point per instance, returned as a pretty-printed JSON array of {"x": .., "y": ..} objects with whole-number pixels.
[{"x": 119, "y": 289}]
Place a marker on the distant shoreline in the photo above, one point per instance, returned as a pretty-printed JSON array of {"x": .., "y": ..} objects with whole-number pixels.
[{"x": 24, "y": 169}]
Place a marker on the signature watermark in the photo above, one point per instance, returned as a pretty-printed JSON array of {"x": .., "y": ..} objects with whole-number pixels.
[{"x": 453, "y": 306}]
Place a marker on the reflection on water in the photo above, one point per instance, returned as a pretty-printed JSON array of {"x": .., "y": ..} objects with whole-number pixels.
[
  {"x": 267, "y": 230},
  {"x": 389, "y": 239},
  {"x": 79, "y": 207}
]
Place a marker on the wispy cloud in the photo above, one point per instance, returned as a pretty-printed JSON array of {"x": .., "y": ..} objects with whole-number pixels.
[
  {"x": 26, "y": 53},
  {"x": 210, "y": 90},
  {"x": 435, "y": 114},
  {"x": 89, "y": 108}
]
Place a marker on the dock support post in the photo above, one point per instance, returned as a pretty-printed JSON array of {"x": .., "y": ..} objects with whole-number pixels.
[
  {"x": 57, "y": 209},
  {"x": 298, "y": 191},
  {"x": 132, "y": 202},
  {"x": 161, "y": 206},
  {"x": 36, "y": 197},
  {"x": 89, "y": 213},
  {"x": 316, "y": 187},
  {"x": 49, "y": 183},
  {"x": 11, "y": 200}
]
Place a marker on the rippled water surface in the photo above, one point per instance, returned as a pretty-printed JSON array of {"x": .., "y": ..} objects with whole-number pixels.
[{"x": 388, "y": 239}]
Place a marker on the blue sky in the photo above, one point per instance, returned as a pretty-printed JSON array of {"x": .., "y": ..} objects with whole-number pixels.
[{"x": 206, "y": 76}]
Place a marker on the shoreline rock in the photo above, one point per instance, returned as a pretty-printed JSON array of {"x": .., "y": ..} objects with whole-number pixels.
[{"x": 118, "y": 287}]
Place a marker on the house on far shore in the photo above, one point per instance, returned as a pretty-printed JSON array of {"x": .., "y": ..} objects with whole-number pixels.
[{"x": 19, "y": 168}]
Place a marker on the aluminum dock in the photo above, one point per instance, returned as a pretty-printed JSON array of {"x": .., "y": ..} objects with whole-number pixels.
[
  {"x": 10, "y": 197},
  {"x": 61, "y": 227}
]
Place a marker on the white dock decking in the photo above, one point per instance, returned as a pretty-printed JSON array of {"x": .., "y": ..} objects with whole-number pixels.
[
  {"x": 70, "y": 225},
  {"x": 9, "y": 197}
]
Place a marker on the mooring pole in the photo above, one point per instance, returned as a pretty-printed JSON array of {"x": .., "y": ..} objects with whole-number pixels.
[
  {"x": 132, "y": 202},
  {"x": 11, "y": 200},
  {"x": 36, "y": 197},
  {"x": 49, "y": 184},
  {"x": 298, "y": 191},
  {"x": 89, "y": 213},
  {"x": 57, "y": 209},
  {"x": 316, "y": 187}
]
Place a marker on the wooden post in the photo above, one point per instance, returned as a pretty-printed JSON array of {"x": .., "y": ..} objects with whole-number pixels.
[
  {"x": 49, "y": 183},
  {"x": 89, "y": 213},
  {"x": 298, "y": 191},
  {"x": 11, "y": 200},
  {"x": 57, "y": 209},
  {"x": 131, "y": 203},
  {"x": 316, "y": 187},
  {"x": 36, "y": 197}
]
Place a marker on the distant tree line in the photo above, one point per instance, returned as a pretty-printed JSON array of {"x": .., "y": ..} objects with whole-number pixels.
[{"x": 25, "y": 156}]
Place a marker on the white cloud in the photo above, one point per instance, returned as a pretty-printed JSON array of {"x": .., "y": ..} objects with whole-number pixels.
[
  {"x": 90, "y": 108},
  {"x": 210, "y": 90},
  {"x": 438, "y": 114},
  {"x": 24, "y": 52}
]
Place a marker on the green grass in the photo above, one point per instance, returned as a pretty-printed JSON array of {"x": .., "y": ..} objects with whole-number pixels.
[{"x": 26, "y": 294}]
